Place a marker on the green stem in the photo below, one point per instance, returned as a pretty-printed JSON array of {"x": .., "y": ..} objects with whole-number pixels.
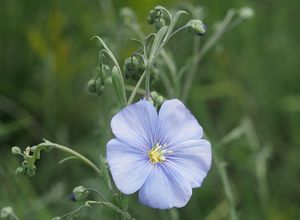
[
  {"x": 137, "y": 86},
  {"x": 131, "y": 88},
  {"x": 112, "y": 206},
  {"x": 173, "y": 34},
  {"x": 147, "y": 81},
  {"x": 207, "y": 46},
  {"x": 98, "y": 193},
  {"x": 226, "y": 185},
  {"x": 78, "y": 155}
]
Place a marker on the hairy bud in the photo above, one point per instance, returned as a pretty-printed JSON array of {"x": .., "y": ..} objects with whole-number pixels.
[
  {"x": 133, "y": 67},
  {"x": 197, "y": 27},
  {"x": 16, "y": 150},
  {"x": 79, "y": 193},
  {"x": 246, "y": 12}
]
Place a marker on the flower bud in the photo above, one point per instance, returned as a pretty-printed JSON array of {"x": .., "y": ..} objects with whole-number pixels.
[
  {"x": 19, "y": 171},
  {"x": 24, "y": 164},
  {"x": 92, "y": 87},
  {"x": 96, "y": 86},
  {"x": 133, "y": 67},
  {"x": 156, "y": 99},
  {"x": 246, "y": 12},
  {"x": 158, "y": 18},
  {"x": 154, "y": 95},
  {"x": 79, "y": 193},
  {"x": 16, "y": 150},
  {"x": 159, "y": 100},
  {"x": 105, "y": 72},
  {"x": 197, "y": 27},
  {"x": 151, "y": 17},
  {"x": 159, "y": 23},
  {"x": 30, "y": 171}
]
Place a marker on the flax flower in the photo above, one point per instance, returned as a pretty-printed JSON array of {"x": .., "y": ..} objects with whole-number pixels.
[{"x": 161, "y": 155}]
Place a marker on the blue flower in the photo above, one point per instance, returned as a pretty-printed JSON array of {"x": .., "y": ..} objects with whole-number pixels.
[{"x": 161, "y": 155}]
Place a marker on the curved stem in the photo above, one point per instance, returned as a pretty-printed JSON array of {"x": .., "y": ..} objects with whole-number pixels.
[
  {"x": 206, "y": 47},
  {"x": 98, "y": 193},
  {"x": 172, "y": 34},
  {"x": 78, "y": 155}
]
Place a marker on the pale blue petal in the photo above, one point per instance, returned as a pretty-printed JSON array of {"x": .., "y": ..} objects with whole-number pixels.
[
  {"x": 177, "y": 124},
  {"x": 136, "y": 125},
  {"x": 192, "y": 159},
  {"x": 128, "y": 165},
  {"x": 165, "y": 188}
]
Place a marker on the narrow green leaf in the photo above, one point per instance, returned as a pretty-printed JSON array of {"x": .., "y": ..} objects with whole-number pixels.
[
  {"x": 118, "y": 85},
  {"x": 66, "y": 159},
  {"x": 157, "y": 41}
]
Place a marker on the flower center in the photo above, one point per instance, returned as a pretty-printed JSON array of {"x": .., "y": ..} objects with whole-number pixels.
[{"x": 157, "y": 154}]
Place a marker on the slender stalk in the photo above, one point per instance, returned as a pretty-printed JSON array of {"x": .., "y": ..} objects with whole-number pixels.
[
  {"x": 78, "y": 155},
  {"x": 136, "y": 28},
  {"x": 171, "y": 35},
  {"x": 131, "y": 88},
  {"x": 98, "y": 193},
  {"x": 147, "y": 81},
  {"x": 112, "y": 206},
  {"x": 137, "y": 86},
  {"x": 206, "y": 47},
  {"x": 226, "y": 185}
]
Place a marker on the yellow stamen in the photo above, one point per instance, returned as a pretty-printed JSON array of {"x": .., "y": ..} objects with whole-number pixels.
[{"x": 156, "y": 154}]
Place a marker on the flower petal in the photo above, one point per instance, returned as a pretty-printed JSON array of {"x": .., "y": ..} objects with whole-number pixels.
[
  {"x": 192, "y": 159},
  {"x": 129, "y": 166},
  {"x": 177, "y": 124},
  {"x": 136, "y": 125},
  {"x": 165, "y": 188}
]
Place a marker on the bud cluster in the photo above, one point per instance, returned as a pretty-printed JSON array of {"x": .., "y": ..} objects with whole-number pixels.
[
  {"x": 158, "y": 17},
  {"x": 97, "y": 85},
  {"x": 133, "y": 67},
  {"x": 156, "y": 99},
  {"x": 30, "y": 155}
]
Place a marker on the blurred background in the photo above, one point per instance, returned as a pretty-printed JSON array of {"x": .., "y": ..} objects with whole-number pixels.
[{"x": 249, "y": 82}]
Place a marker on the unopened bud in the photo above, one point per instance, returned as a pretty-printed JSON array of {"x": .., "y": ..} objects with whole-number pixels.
[
  {"x": 133, "y": 67},
  {"x": 156, "y": 99},
  {"x": 151, "y": 17},
  {"x": 79, "y": 193},
  {"x": 30, "y": 171},
  {"x": 19, "y": 171},
  {"x": 246, "y": 12},
  {"x": 197, "y": 27},
  {"x": 16, "y": 150},
  {"x": 91, "y": 86},
  {"x": 158, "y": 18},
  {"x": 159, "y": 100}
]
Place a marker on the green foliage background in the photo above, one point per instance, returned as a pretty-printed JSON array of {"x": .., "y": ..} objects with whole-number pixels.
[{"x": 251, "y": 76}]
